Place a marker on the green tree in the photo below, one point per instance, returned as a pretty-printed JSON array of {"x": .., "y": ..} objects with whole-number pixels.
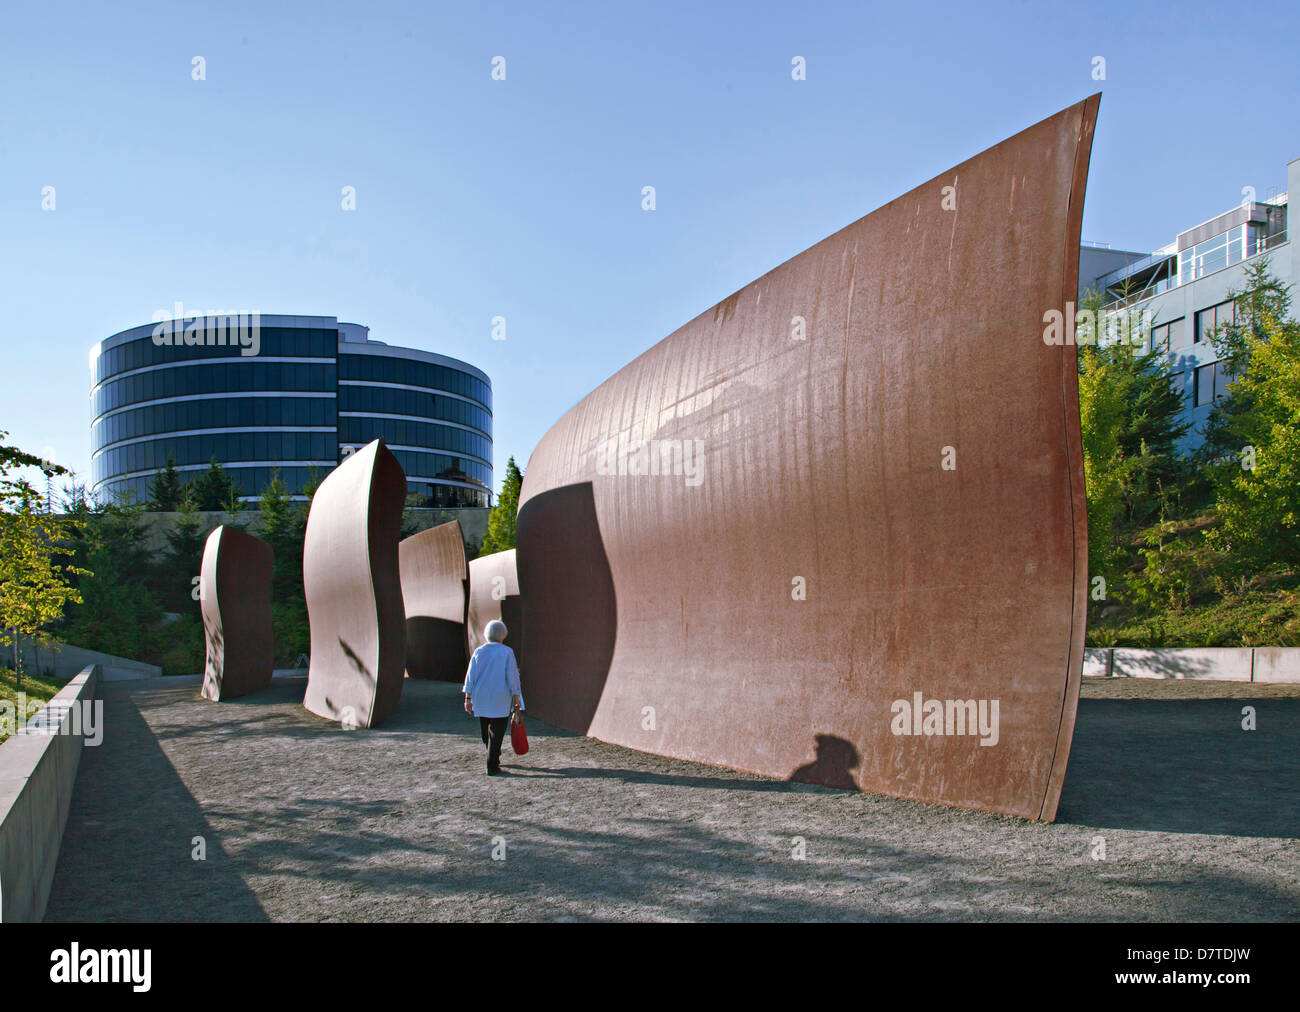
[
  {"x": 165, "y": 489},
  {"x": 183, "y": 559},
  {"x": 1258, "y": 488},
  {"x": 214, "y": 489},
  {"x": 1101, "y": 413},
  {"x": 1150, "y": 422},
  {"x": 1260, "y": 304},
  {"x": 119, "y": 611},
  {"x": 284, "y": 528},
  {"x": 1148, "y": 437},
  {"x": 500, "y": 534},
  {"x": 35, "y": 584}
]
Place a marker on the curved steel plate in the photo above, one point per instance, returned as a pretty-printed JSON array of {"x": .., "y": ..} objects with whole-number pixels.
[
  {"x": 354, "y": 591},
  {"x": 494, "y": 593},
  {"x": 235, "y": 599},
  {"x": 847, "y": 495},
  {"x": 435, "y": 585}
]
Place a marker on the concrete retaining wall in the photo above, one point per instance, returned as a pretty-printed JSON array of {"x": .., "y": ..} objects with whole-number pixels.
[
  {"x": 1224, "y": 664},
  {"x": 37, "y": 772},
  {"x": 1096, "y": 663},
  {"x": 1277, "y": 664},
  {"x": 67, "y": 661},
  {"x": 473, "y": 524}
]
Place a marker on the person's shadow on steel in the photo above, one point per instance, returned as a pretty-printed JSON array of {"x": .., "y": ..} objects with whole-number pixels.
[{"x": 836, "y": 759}]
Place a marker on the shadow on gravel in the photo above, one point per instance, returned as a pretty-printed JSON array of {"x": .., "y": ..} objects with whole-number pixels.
[
  {"x": 126, "y": 853},
  {"x": 646, "y": 777},
  {"x": 668, "y": 868},
  {"x": 1185, "y": 766}
]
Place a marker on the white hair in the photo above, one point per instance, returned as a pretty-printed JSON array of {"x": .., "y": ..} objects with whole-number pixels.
[{"x": 495, "y": 631}]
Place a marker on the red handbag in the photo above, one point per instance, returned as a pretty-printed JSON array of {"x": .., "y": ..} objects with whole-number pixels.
[{"x": 519, "y": 736}]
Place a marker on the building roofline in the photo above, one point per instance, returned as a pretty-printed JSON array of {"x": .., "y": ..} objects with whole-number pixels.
[
  {"x": 264, "y": 319},
  {"x": 379, "y": 349},
  {"x": 368, "y": 347}
]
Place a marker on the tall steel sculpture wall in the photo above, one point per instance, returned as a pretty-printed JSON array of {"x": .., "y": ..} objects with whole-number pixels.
[
  {"x": 235, "y": 599},
  {"x": 354, "y": 591},
  {"x": 873, "y": 507},
  {"x": 435, "y": 588},
  {"x": 494, "y": 593}
]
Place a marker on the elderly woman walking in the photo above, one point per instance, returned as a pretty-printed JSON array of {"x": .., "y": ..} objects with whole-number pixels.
[{"x": 492, "y": 691}]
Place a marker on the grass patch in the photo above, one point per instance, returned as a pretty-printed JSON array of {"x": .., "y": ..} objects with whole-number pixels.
[
  {"x": 1177, "y": 594},
  {"x": 36, "y": 689}
]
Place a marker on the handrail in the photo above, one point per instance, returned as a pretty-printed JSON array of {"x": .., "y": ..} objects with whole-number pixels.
[{"x": 1263, "y": 244}]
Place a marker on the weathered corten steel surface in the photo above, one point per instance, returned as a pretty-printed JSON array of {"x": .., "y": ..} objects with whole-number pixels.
[
  {"x": 493, "y": 594},
  {"x": 435, "y": 588},
  {"x": 235, "y": 600},
  {"x": 798, "y": 571},
  {"x": 354, "y": 590}
]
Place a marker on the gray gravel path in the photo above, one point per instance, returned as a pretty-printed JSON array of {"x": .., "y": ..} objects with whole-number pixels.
[{"x": 304, "y": 821}]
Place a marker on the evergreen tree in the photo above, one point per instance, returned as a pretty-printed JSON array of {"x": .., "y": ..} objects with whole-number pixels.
[
  {"x": 213, "y": 489},
  {"x": 1258, "y": 488},
  {"x": 183, "y": 559},
  {"x": 165, "y": 490},
  {"x": 284, "y": 527},
  {"x": 500, "y": 534},
  {"x": 1259, "y": 305},
  {"x": 1149, "y": 433},
  {"x": 119, "y": 611},
  {"x": 1149, "y": 424}
]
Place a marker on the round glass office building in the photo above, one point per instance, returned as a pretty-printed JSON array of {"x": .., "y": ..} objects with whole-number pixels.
[{"x": 293, "y": 394}]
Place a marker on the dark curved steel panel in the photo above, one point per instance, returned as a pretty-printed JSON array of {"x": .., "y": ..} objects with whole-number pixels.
[
  {"x": 235, "y": 600},
  {"x": 354, "y": 590},
  {"x": 576, "y": 634},
  {"x": 435, "y": 586},
  {"x": 494, "y": 593},
  {"x": 779, "y": 609}
]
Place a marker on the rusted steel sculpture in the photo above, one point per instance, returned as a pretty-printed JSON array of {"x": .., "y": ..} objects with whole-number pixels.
[
  {"x": 834, "y": 528},
  {"x": 354, "y": 590},
  {"x": 235, "y": 600},
  {"x": 435, "y": 587},
  {"x": 494, "y": 593}
]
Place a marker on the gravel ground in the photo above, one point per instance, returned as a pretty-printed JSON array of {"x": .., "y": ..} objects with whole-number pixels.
[{"x": 303, "y": 821}]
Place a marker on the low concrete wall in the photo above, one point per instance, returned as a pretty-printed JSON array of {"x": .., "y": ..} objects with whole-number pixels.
[
  {"x": 67, "y": 661},
  {"x": 38, "y": 768},
  {"x": 1224, "y": 664},
  {"x": 473, "y": 523},
  {"x": 1277, "y": 664},
  {"x": 1096, "y": 663}
]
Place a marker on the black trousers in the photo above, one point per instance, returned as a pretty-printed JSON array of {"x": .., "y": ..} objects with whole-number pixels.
[{"x": 494, "y": 733}]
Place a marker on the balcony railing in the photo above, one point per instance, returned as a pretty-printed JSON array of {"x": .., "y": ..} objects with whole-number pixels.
[{"x": 1258, "y": 247}]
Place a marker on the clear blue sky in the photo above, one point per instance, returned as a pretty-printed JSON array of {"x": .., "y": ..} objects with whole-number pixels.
[{"x": 522, "y": 198}]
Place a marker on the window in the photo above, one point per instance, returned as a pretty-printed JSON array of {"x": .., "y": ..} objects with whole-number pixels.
[
  {"x": 1222, "y": 377},
  {"x": 1210, "y": 383},
  {"x": 1213, "y": 254},
  {"x": 1204, "y": 385},
  {"x": 1167, "y": 335},
  {"x": 1216, "y": 316}
]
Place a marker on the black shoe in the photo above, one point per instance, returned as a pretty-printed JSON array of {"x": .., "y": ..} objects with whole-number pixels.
[{"x": 495, "y": 773}]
